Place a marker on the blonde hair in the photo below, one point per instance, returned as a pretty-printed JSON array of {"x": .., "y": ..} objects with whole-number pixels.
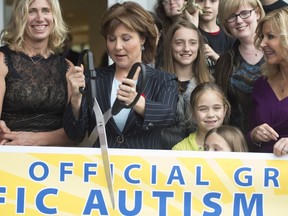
[
  {"x": 136, "y": 18},
  {"x": 200, "y": 68},
  {"x": 227, "y": 7},
  {"x": 232, "y": 135},
  {"x": 13, "y": 34},
  {"x": 201, "y": 88},
  {"x": 279, "y": 26}
]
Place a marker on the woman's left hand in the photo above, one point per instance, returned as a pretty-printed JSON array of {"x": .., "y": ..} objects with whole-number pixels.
[
  {"x": 281, "y": 147},
  {"x": 127, "y": 91}
]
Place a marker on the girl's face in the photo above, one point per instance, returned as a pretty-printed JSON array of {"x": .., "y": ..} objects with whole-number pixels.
[
  {"x": 271, "y": 45},
  {"x": 124, "y": 47},
  {"x": 40, "y": 21},
  {"x": 215, "y": 142},
  {"x": 209, "y": 111},
  {"x": 172, "y": 7},
  {"x": 244, "y": 27},
  {"x": 185, "y": 46}
]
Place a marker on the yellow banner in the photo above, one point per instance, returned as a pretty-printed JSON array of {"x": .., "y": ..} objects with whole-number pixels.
[{"x": 71, "y": 182}]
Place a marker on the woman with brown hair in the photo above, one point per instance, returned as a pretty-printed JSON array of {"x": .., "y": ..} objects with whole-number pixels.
[{"x": 130, "y": 36}]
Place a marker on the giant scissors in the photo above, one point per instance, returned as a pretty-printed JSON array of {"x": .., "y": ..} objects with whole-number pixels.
[{"x": 101, "y": 119}]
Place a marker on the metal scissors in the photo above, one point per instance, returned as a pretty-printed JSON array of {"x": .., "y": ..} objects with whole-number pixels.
[{"x": 101, "y": 119}]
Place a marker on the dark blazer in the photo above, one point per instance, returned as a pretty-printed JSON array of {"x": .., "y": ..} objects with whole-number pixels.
[{"x": 160, "y": 92}]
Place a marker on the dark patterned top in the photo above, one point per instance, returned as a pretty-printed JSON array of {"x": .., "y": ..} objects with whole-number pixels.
[
  {"x": 240, "y": 86},
  {"x": 36, "y": 91}
]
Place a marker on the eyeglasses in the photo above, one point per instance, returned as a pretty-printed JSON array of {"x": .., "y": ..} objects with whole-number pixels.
[{"x": 243, "y": 14}]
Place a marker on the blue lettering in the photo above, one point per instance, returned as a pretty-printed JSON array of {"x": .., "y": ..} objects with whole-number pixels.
[
  {"x": 88, "y": 172},
  {"x": 127, "y": 174},
  {"x": 32, "y": 170},
  {"x": 154, "y": 175},
  {"x": 237, "y": 179},
  {"x": 40, "y": 201},
  {"x": 137, "y": 203},
  {"x": 198, "y": 177},
  {"x": 176, "y": 174},
  {"x": 209, "y": 203},
  {"x": 240, "y": 199},
  {"x": 163, "y": 195},
  {"x": 20, "y": 200},
  {"x": 63, "y": 170},
  {"x": 273, "y": 177},
  {"x": 187, "y": 203},
  {"x": 2, "y": 190},
  {"x": 100, "y": 205}
]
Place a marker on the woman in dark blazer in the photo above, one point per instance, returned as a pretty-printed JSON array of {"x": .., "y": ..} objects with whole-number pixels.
[{"x": 130, "y": 36}]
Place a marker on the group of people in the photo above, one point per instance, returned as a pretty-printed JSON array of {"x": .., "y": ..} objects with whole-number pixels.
[{"x": 216, "y": 77}]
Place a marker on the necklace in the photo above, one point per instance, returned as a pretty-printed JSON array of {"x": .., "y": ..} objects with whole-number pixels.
[
  {"x": 35, "y": 62},
  {"x": 253, "y": 54}
]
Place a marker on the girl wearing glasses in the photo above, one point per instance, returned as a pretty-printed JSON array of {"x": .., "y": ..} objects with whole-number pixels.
[{"x": 238, "y": 68}]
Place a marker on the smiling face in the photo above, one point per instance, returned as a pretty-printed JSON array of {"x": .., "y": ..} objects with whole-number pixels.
[
  {"x": 185, "y": 46},
  {"x": 124, "y": 47},
  {"x": 39, "y": 23},
  {"x": 244, "y": 28},
  {"x": 271, "y": 44},
  {"x": 209, "y": 111},
  {"x": 215, "y": 142}
]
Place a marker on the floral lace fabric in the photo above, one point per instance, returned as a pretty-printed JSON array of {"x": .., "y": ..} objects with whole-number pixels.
[{"x": 36, "y": 91}]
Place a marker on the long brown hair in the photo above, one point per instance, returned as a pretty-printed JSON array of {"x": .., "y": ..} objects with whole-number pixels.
[{"x": 199, "y": 69}]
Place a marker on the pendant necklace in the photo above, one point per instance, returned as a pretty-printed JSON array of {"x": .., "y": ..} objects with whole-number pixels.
[
  {"x": 35, "y": 62},
  {"x": 255, "y": 54}
]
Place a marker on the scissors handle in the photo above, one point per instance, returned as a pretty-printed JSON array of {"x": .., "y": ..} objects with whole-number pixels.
[
  {"x": 119, "y": 105},
  {"x": 90, "y": 66}
]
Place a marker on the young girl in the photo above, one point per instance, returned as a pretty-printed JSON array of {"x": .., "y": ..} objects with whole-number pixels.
[
  {"x": 225, "y": 138},
  {"x": 209, "y": 108},
  {"x": 185, "y": 57}
]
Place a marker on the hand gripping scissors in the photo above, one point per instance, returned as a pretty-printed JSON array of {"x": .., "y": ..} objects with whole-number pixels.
[{"x": 102, "y": 119}]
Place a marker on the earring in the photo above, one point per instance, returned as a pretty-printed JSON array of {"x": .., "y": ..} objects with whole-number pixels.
[{"x": 142, "y": 47}]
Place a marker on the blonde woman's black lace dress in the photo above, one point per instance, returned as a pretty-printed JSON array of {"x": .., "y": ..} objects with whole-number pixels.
[{"x": 36, "y": 91}]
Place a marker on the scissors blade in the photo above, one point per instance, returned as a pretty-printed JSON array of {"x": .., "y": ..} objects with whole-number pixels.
[{"x": 100, "y": 124}]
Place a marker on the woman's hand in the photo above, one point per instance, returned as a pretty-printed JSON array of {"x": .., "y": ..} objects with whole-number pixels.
[
  {"x": 263, "y": 133},
  {"x": 127, "y": 94},
  {"x": 20, "y": 138},
  {"x": 127, "y": 91},
  {"x": 3, "y": 130},
  {"x": 281, "y": 147},
  {"x": 75, "y": 79}
]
